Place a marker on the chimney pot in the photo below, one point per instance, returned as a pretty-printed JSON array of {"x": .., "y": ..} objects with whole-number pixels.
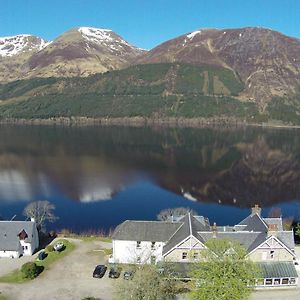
[{"x": 256, "y": 210}]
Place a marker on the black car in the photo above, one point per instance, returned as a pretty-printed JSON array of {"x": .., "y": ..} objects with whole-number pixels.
[
  {"x": 114, "y": 272},
  {"x": 99, "y": 271},
  {"x": 42, "y": 255},
  {"x": 128, "y": 275}
]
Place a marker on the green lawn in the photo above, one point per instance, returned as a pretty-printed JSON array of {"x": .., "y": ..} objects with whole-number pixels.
[{"x": 16, "y": 276}]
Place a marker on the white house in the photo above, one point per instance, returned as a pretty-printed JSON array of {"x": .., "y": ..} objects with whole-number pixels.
[
  {"x": 183, "y": 239},
  {"x": 18, "y": 238}
]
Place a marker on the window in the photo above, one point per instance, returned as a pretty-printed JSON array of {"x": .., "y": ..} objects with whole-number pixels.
[
  {"x": 260, "y": 281},
  {"x": 152, "y": 245},
  {"x": 268, "y": 281},
  {"x": 272, "y": 254},
  {"x": 285, "y": 281},
  {"x": 138, "y": 244},
  {"x": 292, "y": 281},
  {"x": 138, "y": 259},
  {"x": 276, "y": 281},
  {"x": 195, "y": 255},
  {"x": 184, "y": 255}
]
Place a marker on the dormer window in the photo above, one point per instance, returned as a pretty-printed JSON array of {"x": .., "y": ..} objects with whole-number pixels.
[
  {"x": 23, "y": 235},
  {"x": 138, "y": 244}
]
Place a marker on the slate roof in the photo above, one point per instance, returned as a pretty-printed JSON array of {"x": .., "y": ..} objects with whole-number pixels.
[
  {"x": 249, "y": 240},
  {"x": 190, "y": 226},
  {"x": 9, "y": 230},
  {"x": 277, "y": 221},
  {"x": 250, "y": 232},
  {"x": 278, "y": 269},
  {"x": 254, "y": 223},
  {"x": 287, "y": 237},
  {"x": 152, "y": 231}
]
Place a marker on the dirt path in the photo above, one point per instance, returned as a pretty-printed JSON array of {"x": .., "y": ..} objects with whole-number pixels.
[{"x": 69, "y": 278}]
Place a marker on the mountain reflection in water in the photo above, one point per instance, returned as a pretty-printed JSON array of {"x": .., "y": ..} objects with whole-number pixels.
[{"x": 237, "y": 168}]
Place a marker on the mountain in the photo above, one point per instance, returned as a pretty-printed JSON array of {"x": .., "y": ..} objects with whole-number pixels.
[
  {"x": 15, "y": 52},
  {"x": 267, "y": 61},
  {"x": 81, "y": 52},
  {"x": 78, "y": 52}
]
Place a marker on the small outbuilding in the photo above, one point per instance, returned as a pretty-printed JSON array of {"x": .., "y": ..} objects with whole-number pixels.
[{"x": 18, "y": 238}]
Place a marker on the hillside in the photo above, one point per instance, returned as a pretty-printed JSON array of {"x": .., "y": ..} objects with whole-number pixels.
[
  {"x": 267, "y": 61},
  {"x": 153, "y": 91}
]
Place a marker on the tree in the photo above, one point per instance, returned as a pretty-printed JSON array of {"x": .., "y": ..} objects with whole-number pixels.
[
  {"x": 224, "y": 273},
  {"x": 148, "y": 284},
  {"x": 167, "y": 213},
  {"x": 41, "y": 212},
  {"x": 30, "y": 270}
]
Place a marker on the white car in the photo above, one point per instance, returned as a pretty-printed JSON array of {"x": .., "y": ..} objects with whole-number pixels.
[{"x": 58, "y": 246}]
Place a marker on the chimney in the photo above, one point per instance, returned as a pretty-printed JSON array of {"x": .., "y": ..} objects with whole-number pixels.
[
  {"x": 214, "y": 230},
  {"x": 272, "y": 229},
  {"x": 255, "y": 210}
]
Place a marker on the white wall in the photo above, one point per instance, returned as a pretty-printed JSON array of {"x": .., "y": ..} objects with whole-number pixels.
[{"x": 126, "y": 252}]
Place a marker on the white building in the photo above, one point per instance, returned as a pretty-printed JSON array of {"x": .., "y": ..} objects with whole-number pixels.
[
  {"x": 18, "y": 238},
  {"x": 182, "y": 241}
]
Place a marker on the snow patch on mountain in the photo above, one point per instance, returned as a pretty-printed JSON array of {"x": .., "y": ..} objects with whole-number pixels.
[
  {"x": 98, "y": 36},
  {"x": 192, "y": 34},
  {"x": 13, "y": 45}
]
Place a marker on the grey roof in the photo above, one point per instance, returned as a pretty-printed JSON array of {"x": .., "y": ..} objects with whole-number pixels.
[
  {"x": 9, "y": 231},
  {"x": 190, "y": 226},
  {"x": 254, "y": 223},
  {"x": 278, "y": 269},
  {"x": 182, "y": 233},
  {"x": 250, "y": 232},
  {"x": 247, "y": 239},
  {"x": 287, "y": 237},
  {"x": 276, "y": 221},
  {"x": 152, "y": 231}
]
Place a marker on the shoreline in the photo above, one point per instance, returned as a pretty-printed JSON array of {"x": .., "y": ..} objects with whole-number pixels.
[{"x": 145, "y": 122}]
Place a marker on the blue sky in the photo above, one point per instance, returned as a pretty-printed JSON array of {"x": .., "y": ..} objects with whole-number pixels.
[{"x": 146, "y": 23}]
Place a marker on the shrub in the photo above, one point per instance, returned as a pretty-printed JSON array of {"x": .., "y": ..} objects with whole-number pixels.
[
  {"x": 30, "y": 270},
  {"x": 49, "y": 248}
]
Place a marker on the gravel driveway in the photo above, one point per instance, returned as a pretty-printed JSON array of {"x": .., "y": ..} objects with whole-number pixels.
[{"x": 69, "y": 278}]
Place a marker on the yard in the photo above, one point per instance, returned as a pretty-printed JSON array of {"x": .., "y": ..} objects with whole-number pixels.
[
  {"x": 16, "y": 275},
  {"x": 68, "y": 278}
]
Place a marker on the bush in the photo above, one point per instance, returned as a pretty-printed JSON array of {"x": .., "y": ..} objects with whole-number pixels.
[
  {"x": 49, "y": 248},
  {"x": 30, "y": 270}
]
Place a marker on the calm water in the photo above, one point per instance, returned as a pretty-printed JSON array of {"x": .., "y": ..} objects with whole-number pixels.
[{"x": 98, "y": 177}]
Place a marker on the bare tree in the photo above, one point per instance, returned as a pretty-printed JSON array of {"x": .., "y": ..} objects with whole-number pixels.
[
  {"x": 41, "y": 212},
  {"x": 166, "y": 214}
]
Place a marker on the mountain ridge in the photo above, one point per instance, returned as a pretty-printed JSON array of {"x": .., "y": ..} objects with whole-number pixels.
[{"x": 263, "y": 65}]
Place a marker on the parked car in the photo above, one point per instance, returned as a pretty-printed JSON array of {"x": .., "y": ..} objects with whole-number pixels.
[
  {"x": 42, "y": 255},
  {"x": 128, "y": 275},
  {"x": 114, "y": 272},
  {"x": 58, "y": 246},
  {"x": 99, "y": 271}
]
